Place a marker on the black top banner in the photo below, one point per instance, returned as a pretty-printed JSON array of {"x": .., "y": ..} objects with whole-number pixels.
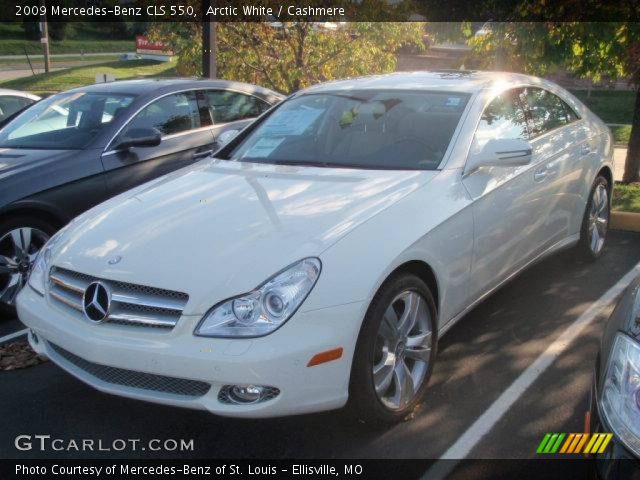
[{"x": 276, "y": 11}]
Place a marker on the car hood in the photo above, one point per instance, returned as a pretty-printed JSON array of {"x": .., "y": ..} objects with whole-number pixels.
[
  {"x": 219, "y": 228},
  {"x": 17, "y": 159},
  {"x": 24, "y": 172}
]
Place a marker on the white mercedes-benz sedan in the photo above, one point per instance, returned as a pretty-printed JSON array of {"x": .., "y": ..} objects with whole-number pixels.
[{"x": 316, "y": 259}]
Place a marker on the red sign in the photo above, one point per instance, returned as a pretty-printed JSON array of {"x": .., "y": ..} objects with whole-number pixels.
[{"x": 144, "y": 45}]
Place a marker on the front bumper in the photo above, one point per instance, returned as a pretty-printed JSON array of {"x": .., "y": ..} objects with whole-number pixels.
[
  {"x": 616, "y": 462},
  {"x": 278, "y": 360}
]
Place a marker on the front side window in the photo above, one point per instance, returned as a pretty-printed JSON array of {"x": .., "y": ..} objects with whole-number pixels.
[
  {"x": 11, "y": 104},
  {"x": 503, "y": 118},
  {"x": 358, "y": 129},
  {"x": 64, "y": 121},
  {"x": 227, "y": 106},
  {"x": 169, "y": 115},
  {"x": 546, "y": 111}
]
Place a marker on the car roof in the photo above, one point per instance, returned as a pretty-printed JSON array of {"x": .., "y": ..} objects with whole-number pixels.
[
  {"x": 18, "y": 93},
  {"x": 468, "y": 81},
  {"x": 156, "y": 86}
]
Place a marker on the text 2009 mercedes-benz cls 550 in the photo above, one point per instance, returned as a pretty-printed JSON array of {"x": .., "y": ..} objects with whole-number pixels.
[{"x": 317, "y": 259}]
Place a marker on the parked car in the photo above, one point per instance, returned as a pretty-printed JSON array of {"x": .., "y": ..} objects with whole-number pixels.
[
  {"x": 324, "y": 250},
  {"x": 12, "y": 102},
  {"x": 615, "y": 393},
  {"x": 78, "y": 148}
]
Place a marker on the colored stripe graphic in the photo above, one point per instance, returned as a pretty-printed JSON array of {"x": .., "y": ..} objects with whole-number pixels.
[
  {"x": 599, "y": 444},
  {"x": 567, "y": 443},
  {"x": 605, "y": 442},
  {"x": 574, "y": 443},
  {"x": 543, "y": 443},
  {"x": 550, "y": 443},
  {"x": 556, "y": 446},
  {"x": 583, "y": 440}
]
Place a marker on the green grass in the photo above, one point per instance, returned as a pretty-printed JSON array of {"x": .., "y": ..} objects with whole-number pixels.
[
  {"x": 626, "y": 198},
  {"x": 38, "y": 62},
  {"x": 612, "y": 106},
  {"x": 17, "y": 47},
  {"x": 81, "y": 37},
  {"x": 621, "y": 134},
  {"x": 80, "y": 76}
]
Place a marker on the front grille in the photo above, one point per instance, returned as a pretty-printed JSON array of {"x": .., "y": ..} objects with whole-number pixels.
[
  {"x": 133, "y": 379},
  {"x": 131, "y": 304}
]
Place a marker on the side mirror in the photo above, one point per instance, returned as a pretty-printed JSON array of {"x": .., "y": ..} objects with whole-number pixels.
[
  {"x": 140, "y": 137},
  {"x": 501, "y": 152},
  {"x": 226, "y": 136}
]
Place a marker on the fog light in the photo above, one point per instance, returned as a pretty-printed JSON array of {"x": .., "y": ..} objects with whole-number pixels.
[{"x": 246, "y": 394}]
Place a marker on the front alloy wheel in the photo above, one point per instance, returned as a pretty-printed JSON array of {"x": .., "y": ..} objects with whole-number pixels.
[
  {"x": 395, "y": 351},
  {"x": 19, "y": 248},
  {"x": 403, "y": 350}
]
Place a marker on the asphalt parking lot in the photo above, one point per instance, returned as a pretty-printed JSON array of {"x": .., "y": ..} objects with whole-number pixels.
[{"x": 478, "y": 360}]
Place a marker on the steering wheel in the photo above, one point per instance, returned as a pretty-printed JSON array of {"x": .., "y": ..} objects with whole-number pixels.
[{"x": 414, "y": 139}]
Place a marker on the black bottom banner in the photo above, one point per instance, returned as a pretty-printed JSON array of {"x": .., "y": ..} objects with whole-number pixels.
[{"x": 547, "y": 469}]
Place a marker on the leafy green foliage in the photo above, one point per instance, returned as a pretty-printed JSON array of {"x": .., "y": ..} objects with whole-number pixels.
[
  {"x": 612, "y": 106},
  {"x": 292, "y": 55},
  {"x": 589, "y": 50},
  {"x": 606, "y": 49},
  {"x": 626, "y": 198}
]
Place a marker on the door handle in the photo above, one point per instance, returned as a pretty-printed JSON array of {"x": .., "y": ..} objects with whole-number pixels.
[
  {"x": 585, "y": 150},
  {"x": 540, "y": 175},
  {"x": 206, "y": 153}
]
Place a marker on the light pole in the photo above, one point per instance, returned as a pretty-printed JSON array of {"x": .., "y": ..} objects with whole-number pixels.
[
  {"x": 209, "y": 67},
  {"x": 44, "y": 37}
]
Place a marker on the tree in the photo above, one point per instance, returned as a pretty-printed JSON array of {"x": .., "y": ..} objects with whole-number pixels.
[
  {"x": 589, "y": 50},
  {"x": 287, "y": 56}
]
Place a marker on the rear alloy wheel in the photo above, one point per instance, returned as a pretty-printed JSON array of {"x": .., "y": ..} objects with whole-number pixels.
[
  {"x": 395, "y": 352},
  {"x": 19, "y": 247},
  {"x": 595, "y": 224}
]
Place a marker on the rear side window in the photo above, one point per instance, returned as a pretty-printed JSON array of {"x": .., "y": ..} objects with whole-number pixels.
[
  {"x": 546, "y": 111},
  {"x": 10, "y": 105},
  {"x": 572, "y": 116},
  {"x": 504, "y": 117},
  {"x": 172, "y": 114},
  {"x": 227, "y": 106}
]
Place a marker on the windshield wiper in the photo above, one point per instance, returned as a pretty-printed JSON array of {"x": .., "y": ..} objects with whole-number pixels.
[
  {"x": 299, "y": 163},
  {"x": 329, "y": 164}
]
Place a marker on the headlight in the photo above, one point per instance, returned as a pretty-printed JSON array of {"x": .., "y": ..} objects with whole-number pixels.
[
  {"x": 38, "y": 275},
  {"x": 263, "y": 310},
  {"x": 620, "y": 397}
]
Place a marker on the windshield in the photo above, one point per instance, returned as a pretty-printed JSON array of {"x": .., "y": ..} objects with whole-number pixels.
[
  {"x": 64, "y": 121},
  {"x": 357, "y": 129}
]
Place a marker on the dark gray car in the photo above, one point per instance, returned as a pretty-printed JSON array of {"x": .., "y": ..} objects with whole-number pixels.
[
  {"x": 73, "y": 150},
  {"x": 615, "y": 391}
]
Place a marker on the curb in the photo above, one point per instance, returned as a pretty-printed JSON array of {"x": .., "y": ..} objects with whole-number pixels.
[
  {"x": 625, "y": 221},
  {"x": 13, "y": 336}
]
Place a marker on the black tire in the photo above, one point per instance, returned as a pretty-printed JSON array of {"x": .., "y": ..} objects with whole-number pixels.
[
  {"x": 364, "y": 402},
  {"x": 585, "y": 245},
  {"x": 21, "y": 221}
]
